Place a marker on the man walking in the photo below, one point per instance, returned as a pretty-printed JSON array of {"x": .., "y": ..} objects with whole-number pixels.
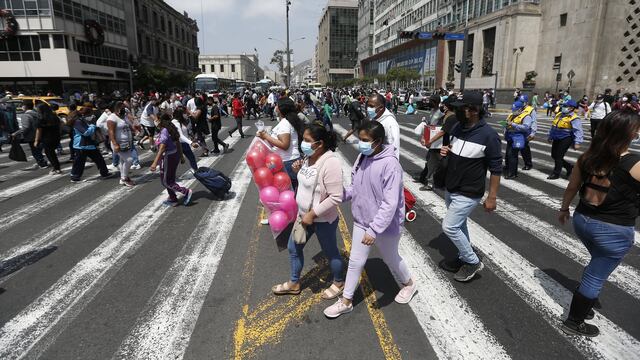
[
  {"x": 28, "y": 123},
  {"x": 475, "y": 148}
]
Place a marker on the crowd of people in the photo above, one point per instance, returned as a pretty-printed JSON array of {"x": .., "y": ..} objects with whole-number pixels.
[{"x": 606, "y": 176}]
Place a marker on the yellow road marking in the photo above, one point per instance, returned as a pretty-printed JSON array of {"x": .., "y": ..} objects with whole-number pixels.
[{"x": 385, "y": 338}]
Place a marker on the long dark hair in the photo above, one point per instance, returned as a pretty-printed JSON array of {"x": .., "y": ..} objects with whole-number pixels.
[
  {"x": 615, "y": 133},
  {"x": 165, "y": 122},
  {"x": 178, "y": 114},
  {"x": 320, "y": 133},
  {"x": 288, "y": 109},
  {"x": 374, "y": 129},
  {"x": 47, "y": 116}
]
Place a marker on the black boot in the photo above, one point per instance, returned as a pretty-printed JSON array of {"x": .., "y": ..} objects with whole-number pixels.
[{"x": 580, "y": 308}]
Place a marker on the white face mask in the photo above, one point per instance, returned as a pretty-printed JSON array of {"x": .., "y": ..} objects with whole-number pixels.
[{"x": 625, "y": 99}]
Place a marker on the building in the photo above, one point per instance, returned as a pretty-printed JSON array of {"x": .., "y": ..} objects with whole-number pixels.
[
  {"x": 165, "y": 37},
  {"x": 593, "y": 40},
  {"x": 366, "y": 16},
  {"x": 273, "y": 75},
  {"x": 239, "y": 67},
  {"x": 337, "y": 52},
  {"x": 52, "y": 51}
]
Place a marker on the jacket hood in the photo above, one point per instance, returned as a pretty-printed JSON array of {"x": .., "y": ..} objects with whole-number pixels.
[{"x": 387, "y": 151}]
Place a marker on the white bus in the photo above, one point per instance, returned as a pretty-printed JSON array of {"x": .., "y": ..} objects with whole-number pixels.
[
  {"x": 211, "y": 83},
  {"x": 315, "y": 86}
]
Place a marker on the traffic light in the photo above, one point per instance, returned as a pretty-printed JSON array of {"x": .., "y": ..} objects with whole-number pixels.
[
  {"x": 408, "y": 34},
  {"x": 469, "y": 68},
  {"x": 458, "y": 67}
]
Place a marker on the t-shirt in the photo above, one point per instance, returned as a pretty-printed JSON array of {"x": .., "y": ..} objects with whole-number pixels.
[
  {"x": 165, "y": 138},
  {"x": 123, "y": 130},
  {"x": 328, "y": 192},
  {"x": 285, "y": 127},
  {"x": 145, "y": 117}
]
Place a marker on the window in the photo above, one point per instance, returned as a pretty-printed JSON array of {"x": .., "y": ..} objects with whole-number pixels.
[
  {"x": 21, "y": 48},
  {"x": 213, "y": 68},
  {"x": 164, "y": 52},
  {"x": 162, "y": 24},
  {"x": 563, "y": 19},
  {"x": 155, "y": 20},
  {"x": 102, "y": 55},
  {"x": 170, "y": 27},
  {"x": 58, "y": 41},
  {"x": 173, "y": 54},
  {"x": 44, "y": 41},
  {"x": 204, "y": 68},
  {"x": 221, "y": 68},
  {"x": 233, "y": 68},
  {"x": 145, "y": 14}
]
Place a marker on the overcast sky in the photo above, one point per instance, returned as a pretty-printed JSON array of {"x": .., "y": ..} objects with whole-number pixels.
[{"x": 237, "y": 26}]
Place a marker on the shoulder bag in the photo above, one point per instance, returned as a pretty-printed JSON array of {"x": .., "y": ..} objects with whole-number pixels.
[{"x": 299, "y": 233}]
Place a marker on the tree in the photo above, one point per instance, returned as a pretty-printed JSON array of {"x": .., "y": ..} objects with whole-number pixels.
[{"x": 279, "y": 58}]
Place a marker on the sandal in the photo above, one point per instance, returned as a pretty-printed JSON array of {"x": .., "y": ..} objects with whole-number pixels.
[
  {"x": 284, "y": 289},
  {"x": 332, "y": 292}
]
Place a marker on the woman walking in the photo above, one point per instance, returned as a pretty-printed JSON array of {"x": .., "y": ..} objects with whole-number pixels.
[
  {"x": 169, "y": 156},
  {"x": 48, "y": 134},
  {"x": 200, "y": 125},
  {"x": 182, "y": 124},
  {"x": 121, "y": 137},
  {"x": 377, "y": 205},
  {"x": 607, "y": 178},
  {"x": 318, "y": 197}
]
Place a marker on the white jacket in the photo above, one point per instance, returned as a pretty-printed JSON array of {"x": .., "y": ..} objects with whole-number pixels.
[
  {"x": 599, "y": 111},
  {"x": 391, "y": 130}
]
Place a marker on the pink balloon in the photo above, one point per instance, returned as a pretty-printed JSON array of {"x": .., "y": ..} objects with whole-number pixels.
[
  {"x": 288, "y": 202},
  {"x": 278, "y": 221},
  {"x": 274, "y": 162},
  {"x": 255, "y": 159},
  {"x": 270, "y": 197},
  {"x": 282, "y": 181},
  {"x": 263, "y": 177}
]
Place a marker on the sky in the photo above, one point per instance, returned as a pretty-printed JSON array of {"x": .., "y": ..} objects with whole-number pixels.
[{"x": 239, "y": 26}]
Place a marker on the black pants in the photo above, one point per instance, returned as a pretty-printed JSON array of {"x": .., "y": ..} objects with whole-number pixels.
[
  {"x": 237, "y": 127},
  {"x": 50, "y": 151},
  {"x": 81, "y": 159},
  {"x": 215, "y": 128},
  {"x": 526, "y": 154},
  {"x": 594, "y": 126},
  {"x": 558, "y": 149},
  {"x": 430, "y": 167},
  {"x": 36, "y": 152}
]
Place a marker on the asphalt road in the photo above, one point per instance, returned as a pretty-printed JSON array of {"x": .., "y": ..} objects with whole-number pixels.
[{"x": 96, "y": 271}]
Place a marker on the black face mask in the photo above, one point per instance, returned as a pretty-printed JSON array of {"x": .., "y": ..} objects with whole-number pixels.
[
  {"x": 461, "y": 116},
  {"x": 123, "y": 113}
]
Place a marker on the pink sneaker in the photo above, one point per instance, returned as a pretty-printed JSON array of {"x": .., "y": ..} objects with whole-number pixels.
[
  {"x": 406, "y": 293},
  {"x": 337, "y": 309}
]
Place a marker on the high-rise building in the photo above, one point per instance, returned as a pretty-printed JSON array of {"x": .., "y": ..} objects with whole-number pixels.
[
  {"x": 238, "y": 67},
  {"x": 366, "y": 15},
  {"x": 338, "y": 41}
]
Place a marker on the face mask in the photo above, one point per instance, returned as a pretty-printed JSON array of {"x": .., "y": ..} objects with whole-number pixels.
[
  {"x": 442, "y": 109},
  {"x": 565, "y": 110},
  {"x": 636, "y": 140},
  {"x": 371, "y": 113},
  {"x": 625, "y": 99},
  {"x": 599, "y": 101},
  {"x": 306, "y": 148},
  {"x": 365, "y": 148}
]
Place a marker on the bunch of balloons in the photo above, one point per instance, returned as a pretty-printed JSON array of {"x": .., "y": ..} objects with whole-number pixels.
[{"x": 274, "y": 185}]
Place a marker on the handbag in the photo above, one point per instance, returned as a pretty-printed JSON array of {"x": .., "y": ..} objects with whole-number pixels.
[
  {"x": 299, "y": 232},
  {"x": 16, "y": 153},
  {"x": 518, "y": 141}
]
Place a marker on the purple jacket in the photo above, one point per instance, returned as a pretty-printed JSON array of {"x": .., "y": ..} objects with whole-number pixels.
[{"x": 376, "y": 193}]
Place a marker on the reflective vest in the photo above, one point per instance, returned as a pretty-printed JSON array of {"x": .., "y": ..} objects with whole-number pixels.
[
  {"x": 526, "y": 112},
  {"x": 563, "y": 121}
]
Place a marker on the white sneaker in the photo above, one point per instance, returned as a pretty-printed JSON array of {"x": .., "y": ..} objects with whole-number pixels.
[
  {"x": 264, "y": 222},
  {"x": 337, "y": 309},
  {"x": 136, "y": 167},
  {"x": 111, "y": 167},
  {"x": 406, "y": 293}
]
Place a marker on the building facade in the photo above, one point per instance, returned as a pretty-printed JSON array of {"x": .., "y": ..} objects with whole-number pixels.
[
  {"x": 366, "y": 16},
  {"x": 165, "y": 37},
  {"x": 238, "y": 67},
  {"x": 337, "y": 53},
  {"x": 51, "y": 51}
]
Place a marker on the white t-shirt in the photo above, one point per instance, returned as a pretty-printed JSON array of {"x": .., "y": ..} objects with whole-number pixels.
[
  {"x": 123, "y": 130},
  {"x": 285, "y": 127},
  {"x": 391, "y": 130},
  {"x": 191, "y": 105},
  {"x": 145, "y": 117}
]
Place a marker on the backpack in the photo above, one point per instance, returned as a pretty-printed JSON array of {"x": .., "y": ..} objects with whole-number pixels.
[{"x": 218, "y": 183}]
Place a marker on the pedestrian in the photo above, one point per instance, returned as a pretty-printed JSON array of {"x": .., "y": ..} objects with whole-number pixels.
[
  {"x": 565, "y": 131},
  {"x": 237, "y": 110},
  {"x": 517, "y": 130},
  {"x": 148, "y": 118},
  {"x": 377, "y": 205},
  {"x": 183, "y": 125},
  {"x": 48, "y": 134},
  {"x": 607, "y": 177},
  {"x": 169, "y": 156},
  {"x": 121, "y": 137},
  {"x": 448, "y": 121},
  {"x": 436, "y": 118},
  {"x": 285, "y": 136},
  {"x": 377, "y": 111},
  {"x": 327, "y": 111},
  {"x": 27, "y": 126},
  {"x": 318, "y": 196},
  {"x": 85, "y": 145},
  {"x": 200, "y": 124},
  {"x": 475, "y": 148},
  {"x": 355, "y": 116},
  {"x": 216, "y": 124},
  {"x": 597, "y": 111}
]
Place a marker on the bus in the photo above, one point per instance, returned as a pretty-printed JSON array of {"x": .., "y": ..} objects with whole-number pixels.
[
  {"x": 315, "y": 86},
  {"x": 264, "y": 85},
  {"x": 211, "y": 83}
]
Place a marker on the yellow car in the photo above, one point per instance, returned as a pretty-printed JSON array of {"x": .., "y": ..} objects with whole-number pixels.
[{"x": 63, "y": 109}]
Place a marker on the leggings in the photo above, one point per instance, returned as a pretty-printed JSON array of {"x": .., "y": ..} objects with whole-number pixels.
[
  {"x": 125, "y": 159},
  {"x": 168, "y": 168},
  {"x": 388, "y": 247}
]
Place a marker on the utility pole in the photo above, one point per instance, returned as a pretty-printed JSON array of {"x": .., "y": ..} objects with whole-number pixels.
[
  {"x": 463, "y": 72},
  {"x": 288, "y": 49}
]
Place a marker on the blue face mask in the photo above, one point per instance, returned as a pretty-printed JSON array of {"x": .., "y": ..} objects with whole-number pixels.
[
  {"x": 636, "y": 140},
  {"x": 371, "y": 113},
  {"x": 306, "y": 148},
  {"x": 365, "y": 148}
]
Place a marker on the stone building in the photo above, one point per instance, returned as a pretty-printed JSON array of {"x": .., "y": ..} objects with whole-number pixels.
[
  {"x": 337, "y": 52},
  {"x": 237, "y": 67}
]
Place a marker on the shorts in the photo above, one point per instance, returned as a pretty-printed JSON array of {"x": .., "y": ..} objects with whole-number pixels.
[{"x": 149, "y": 130}]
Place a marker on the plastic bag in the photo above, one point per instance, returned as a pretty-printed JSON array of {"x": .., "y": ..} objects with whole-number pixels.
[
  {"x": 410, "y": 110},
  {"x": 274, "y": 185}
]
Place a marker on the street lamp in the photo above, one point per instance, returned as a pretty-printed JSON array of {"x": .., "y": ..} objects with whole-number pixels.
[{"x": 288, "y": 50}]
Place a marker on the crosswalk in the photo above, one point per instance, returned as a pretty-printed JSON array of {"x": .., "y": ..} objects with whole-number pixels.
[{"x": 167, "y": 266}]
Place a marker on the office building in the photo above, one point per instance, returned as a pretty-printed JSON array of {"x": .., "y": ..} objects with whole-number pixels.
[
  {"x": 366, "y": 15},
  {"x": 337, "y": 53},
  {"x": 238, "y": 67}
]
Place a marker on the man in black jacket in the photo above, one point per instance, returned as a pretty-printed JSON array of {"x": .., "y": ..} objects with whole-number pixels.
[
  {"x": 28, "y": 123},
  {"x": 474, "y": 148}
]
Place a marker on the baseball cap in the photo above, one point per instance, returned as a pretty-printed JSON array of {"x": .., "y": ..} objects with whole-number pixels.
[
  {"x": 468, "y": 97},
  {"x": 570, "y": 103},
  {"x": 517, "y": 105}
]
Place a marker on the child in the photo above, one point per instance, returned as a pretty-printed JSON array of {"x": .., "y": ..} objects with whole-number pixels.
[{"x": 169, "y": 155}]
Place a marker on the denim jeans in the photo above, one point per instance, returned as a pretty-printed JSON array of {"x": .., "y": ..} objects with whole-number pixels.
[
  {"x": 288, "y": 167},
  {"x": 326, "y": 233},
  {"x": 607, "y": 243},
  {"x": 454, "y": 225}
]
